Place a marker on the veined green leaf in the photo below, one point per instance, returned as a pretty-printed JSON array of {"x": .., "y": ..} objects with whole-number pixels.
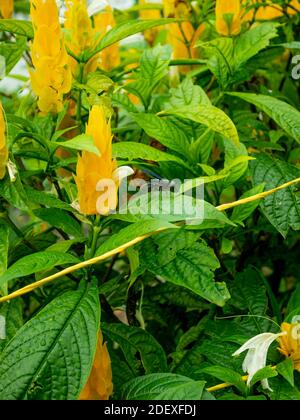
[
  {"x": 34, "y": 263},
  {"x": 51, "y": 356},
  {"x": 165, "y": 131},
  {"x": 163, "y": 386},
  {"x": 138, "y": 346},
  {"x": 192, "y": 268},
  {"x": 125, "y": 29},
  {"x": 17, "y": 27},
  {"x": 285, "y": 115},
  {"x": 210, "y": 116},
  {"x": 81, "y": 142},
  {"x": 282, "y": 208}
]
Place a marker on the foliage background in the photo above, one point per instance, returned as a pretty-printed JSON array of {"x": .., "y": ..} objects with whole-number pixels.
[{"x": 176, "y": 306}]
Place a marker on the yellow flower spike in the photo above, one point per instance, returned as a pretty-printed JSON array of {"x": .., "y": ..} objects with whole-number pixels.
[
  {"x": 228, "y": 17},
  {"x": 51, "y": 77},
  {"x": 150, "y": 34},
  {"x": 6, "y": 8},
  {"x": 78, "y": 25},
  {"x": 180, "y": 36},
  {"x": 99, "y": 385},
  {"x": 97, "y": 177},
  {"x": 104, "y": 21},
  {"x": 3, "y": 145},
  {"x": 290, "y": 343}
]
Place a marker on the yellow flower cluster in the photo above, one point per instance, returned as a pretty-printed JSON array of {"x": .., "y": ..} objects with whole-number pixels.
[
  {"x": 3, "y": 145},
  {"x": 6, "y": 8},
  {"x": 99, "y": 385},
  {"x": 51, "y": 77},
  {"x": 92, "y": 168},
  {"x": 82, "y": 35},
  {"x": 228, "y": 17}
]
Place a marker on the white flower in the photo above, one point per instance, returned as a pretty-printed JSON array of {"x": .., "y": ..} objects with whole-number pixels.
[{"x": 256, "y": 357}]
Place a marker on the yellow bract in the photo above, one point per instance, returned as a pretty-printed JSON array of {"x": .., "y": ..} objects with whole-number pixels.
[
  {"x": 228, "y": 17},
  {"x": 290, "y": 343},
  {"x": 3, "y": 146},
  {"x": 180, "y": 36},
  {"x": 51, "y": 77},
  {"x": 99, "y": 385},
  {"x": 80, "y": 34},
  {"x": 91, "y": 169},
  {"x": 6, "y": 8},
  {"x": 110, "y": 56},
  {"x": 150, "y": 34},
  {"x": 295, "y": 7},
  {"x": 271, "y": 11}
]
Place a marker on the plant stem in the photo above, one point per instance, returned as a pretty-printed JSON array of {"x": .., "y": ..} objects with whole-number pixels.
[{"x": 79, "y": 104}]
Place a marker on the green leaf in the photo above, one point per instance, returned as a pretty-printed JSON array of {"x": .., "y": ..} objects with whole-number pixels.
[
  {"x": 4, "y": 246},
  {"x": 164, "y": 130},
  {"x": 188, "y": 94},
  {"x": 139, "y": 347},
  {"x": 62, "y": 220},
  {"x": 12, "y": 52},
  {"x": 153, "y": 67},
  {"x": 46, "y": 199},
  {"x": 143, "y": 227},
  {"x": 294, "y": 301},
  {"x": 264, "y": 373},
  {"x": 282, "y": 208},
  {"x": 51, "y": 356},
  {"x": 192, "y": 269},
  {"x": 132, "y": 150},
  {"x": 249, "y": 293},
  {"x": 282, "y": 390},
  {"x": 241, "y": 213},
  {"x": 220, "y": 59},
  {"x": 13, "y": 313},
  {"x": 17, "y": 27},
  {"x": 122, "y": 101},
  {"x": 210, "y": 116},
  {"x": 163, "y": 386},
  {"x": 227, "y": 375},
  {"x": 40, "y": 261},
  {"x": 12, "y": 193},
  {"x": 81, "y": 142},
  {"x": 285, "y": 115},
  {"x": 125, "y": 29},
  {"x": 286, "y": 370},
  {"x": 251, "y": 42}
]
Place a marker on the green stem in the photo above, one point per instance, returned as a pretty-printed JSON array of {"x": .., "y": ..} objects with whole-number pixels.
[
  {"x": 79, "y": 104},
  {"x": 96, "y": 231}
]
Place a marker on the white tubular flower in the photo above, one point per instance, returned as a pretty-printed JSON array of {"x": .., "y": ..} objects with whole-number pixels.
[{"x": 256, "y": 357}]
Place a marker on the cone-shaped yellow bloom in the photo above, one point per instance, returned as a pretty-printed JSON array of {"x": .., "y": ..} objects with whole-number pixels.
[
  {"x": 290, "y": 343},
  {"x": 99, "y": 385},
  {"x": 228, "y": 17},
  {"x": 3, "y": 145},
  {"x": 181, "y": 37},
  {"x": 150, "y": 34},
  {"x": 51, "y": 77},
  {"x": 262, "y": 13},
  {"x": 104, "y": 21},
  {"x": 6, "y": 8}
]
